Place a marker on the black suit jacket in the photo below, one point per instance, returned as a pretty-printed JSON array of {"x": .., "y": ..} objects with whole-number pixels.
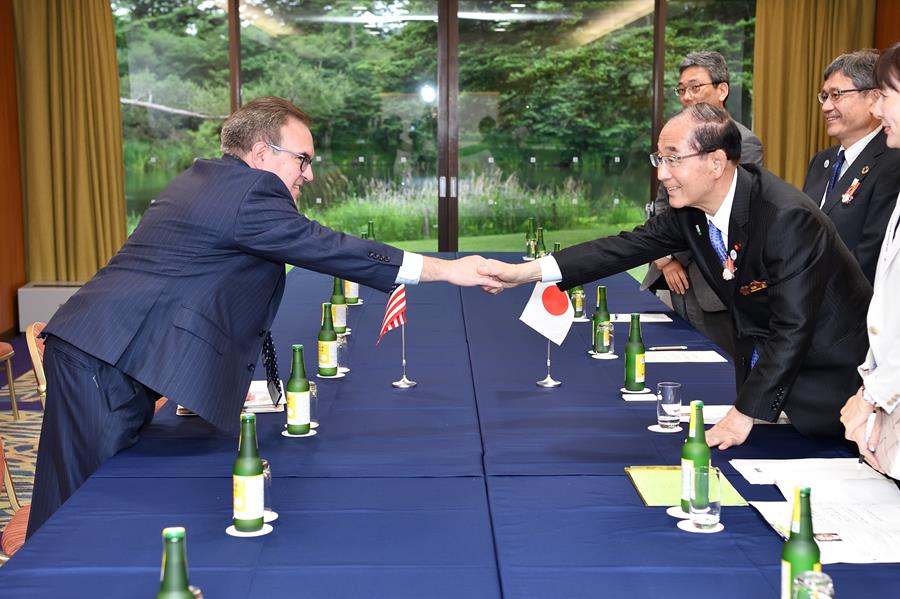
[
  {"x": 185, "y": 303},
  {"x": 805, "y": 312},
  {"x": 861, "y": 222}
]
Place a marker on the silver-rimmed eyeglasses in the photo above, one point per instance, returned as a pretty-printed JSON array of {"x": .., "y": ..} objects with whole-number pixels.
[
  {"x": 302, "y": 157},
  {"x": 693, "y": 88},
  {"x": 657, "y": 159},
  {"x": 835, "y": 95}
]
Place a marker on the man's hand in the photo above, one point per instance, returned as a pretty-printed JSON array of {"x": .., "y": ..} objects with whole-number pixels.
[
  {"x": 462, "y": 271},
  {"x": 509, "y": 275},
  {"x": 854, "y": 416},
  {"x": 732, "y": 430},
  {"x": 676, "y": 276}
]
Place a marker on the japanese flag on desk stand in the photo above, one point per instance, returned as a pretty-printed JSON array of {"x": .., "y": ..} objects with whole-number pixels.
[{"x": 549, "y": 312}]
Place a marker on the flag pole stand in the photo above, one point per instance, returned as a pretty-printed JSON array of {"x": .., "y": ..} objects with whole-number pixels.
[
  {"x": 403, "y": 383},
  {"x": 548, "y": 381}
]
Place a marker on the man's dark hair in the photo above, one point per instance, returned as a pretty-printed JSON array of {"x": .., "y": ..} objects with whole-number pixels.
[
  {"x": 714, "y": 130},
  {"x": 713, "y": 62},
  {"x": 259, "y": 120},
  {"x": 887, "y": 69}
]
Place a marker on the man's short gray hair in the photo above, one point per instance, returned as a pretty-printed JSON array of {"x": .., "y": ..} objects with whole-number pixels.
[
  {"x": 713, "y": 62},
  {"x": 858, "y": 67}
]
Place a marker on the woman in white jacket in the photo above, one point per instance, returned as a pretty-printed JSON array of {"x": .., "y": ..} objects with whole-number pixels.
[{"x": 880, "y": 392}]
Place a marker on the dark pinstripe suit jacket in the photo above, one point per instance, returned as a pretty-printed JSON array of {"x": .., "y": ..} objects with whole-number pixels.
[
  {"x": 861, "y": 222},
  {"x": 806, "y": 314},
  {"x": 184, "y": 305}
]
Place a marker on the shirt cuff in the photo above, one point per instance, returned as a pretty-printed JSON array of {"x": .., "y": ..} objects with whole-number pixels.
[
  {"x": 410, "y": 269},
  {"x": 550, "y": 272}
]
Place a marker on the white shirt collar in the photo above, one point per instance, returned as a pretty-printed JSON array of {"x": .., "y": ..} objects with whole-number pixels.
[
  {"x": 723, "y": 215},
  {"x": 853, "y": 152}
]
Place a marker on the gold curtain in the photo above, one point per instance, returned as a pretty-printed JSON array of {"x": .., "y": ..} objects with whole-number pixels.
[
  {"x": 795, "y": 41},
  {"x": 71, "y": 137}
]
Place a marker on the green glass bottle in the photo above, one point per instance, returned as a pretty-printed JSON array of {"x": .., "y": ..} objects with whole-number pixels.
[
  {"x": 694, "y": 452},
  {"x": 556, "y": 246},
  {"x": 600, "y": 323},
  {"x": 634, "y": 356},
  {"x": 800, "y": 552},
  {"x": 339, "y": 307},
  {"x": 371, "y": 230},
  {"x": 351, "y": 292},
  {"x": 327, "y": 344},
  {"x": 248, "y": 479},
  {"x": 540, "y": 249},
  {"x": 577, "y": 295},
  {"x": 173, "y": 576},
  {"x": 297, "y": 391},
  {"x": 364, "y": 235}
]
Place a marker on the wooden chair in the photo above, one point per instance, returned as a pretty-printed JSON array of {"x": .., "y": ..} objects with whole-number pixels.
[
  {"x": 36, "y": 351},
  {"x": 12, "y": 537},
  {"x": 6, "y": 355}
]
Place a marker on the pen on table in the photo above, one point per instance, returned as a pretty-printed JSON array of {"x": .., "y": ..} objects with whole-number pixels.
[
  {"x": 870, "y": 424},
  {"x": 667, "y": 347}
]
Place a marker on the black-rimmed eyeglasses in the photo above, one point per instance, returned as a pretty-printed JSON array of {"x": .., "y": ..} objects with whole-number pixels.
[
  {"x": 302, "y": 157},
  {"x": 694, "y": 88}
]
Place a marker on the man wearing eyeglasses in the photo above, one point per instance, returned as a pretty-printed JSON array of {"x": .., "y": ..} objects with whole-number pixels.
[
  {"x": 856, "y": 181},
  {"x": 703, "y": 77},
  {"x": 184, "y": 308},
  {"x": 796, "y": 295}
]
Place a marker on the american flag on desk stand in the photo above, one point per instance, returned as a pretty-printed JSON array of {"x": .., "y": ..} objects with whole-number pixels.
[
  {"x": 395, "y": 316},
  {"x": 394, "y": 312}
]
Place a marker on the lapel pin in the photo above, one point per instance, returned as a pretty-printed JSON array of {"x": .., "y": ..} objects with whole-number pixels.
[
  {"x": 865, "y": 170},
  {"x": 827, "y": 162},
  {"x": 698, "y": 230}
]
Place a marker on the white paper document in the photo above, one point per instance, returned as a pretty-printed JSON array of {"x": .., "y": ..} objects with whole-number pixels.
[
  {"x": 261, "y": 402},
  {"x": 850, "y": 533},
  {"x": 653, "y": 317},
  {"x": 669, "y": 357},
  {"x": 768, "y": 472}
]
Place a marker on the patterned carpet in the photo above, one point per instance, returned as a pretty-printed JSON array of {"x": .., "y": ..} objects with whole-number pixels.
[{"x": 20, "y": 439}]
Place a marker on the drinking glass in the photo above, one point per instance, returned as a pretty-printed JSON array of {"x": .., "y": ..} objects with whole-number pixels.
[
  {"x": 342, "y": 354},
  {"x": 813, "y": 585},
  {"x": 706, "y": 497},
  {"x": 607, "y": 328},
  {"x": 268, "y": 513},
  {"x": 668, "y": 405},
  {"x": 313, "y": 405}
]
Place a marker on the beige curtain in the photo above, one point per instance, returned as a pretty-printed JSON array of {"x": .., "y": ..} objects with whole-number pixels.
[
  {"x": 795, "y": 41},
  {"x": 71, "y": 137}
]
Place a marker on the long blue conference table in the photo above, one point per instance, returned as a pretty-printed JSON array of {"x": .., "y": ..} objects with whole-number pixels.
[{"x": 476, "y": 483}]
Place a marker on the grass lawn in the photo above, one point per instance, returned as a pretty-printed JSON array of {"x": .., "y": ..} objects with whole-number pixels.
[{"x": 514, "y": 242}]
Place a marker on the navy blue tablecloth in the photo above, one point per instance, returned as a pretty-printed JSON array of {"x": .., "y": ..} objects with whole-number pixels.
[{"x": 474, "y": 484}]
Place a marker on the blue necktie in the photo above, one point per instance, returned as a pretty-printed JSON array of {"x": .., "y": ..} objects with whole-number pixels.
[
  {"x": 835, "y": 172},
  {"x": 718, "y": 244}
]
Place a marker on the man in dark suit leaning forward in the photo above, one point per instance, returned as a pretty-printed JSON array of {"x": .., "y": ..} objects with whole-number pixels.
[
  {"x": 703, "y": 78},
  {"x": 183, "y": 308},
  {"x": 855, "y": 182},
  {"x": 797, "y": 297}
]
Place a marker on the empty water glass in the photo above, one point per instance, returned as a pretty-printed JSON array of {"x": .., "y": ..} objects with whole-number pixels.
[
  {"x": 813, "y": 585},
  {"x": 269, "y": 514},
  {"x": 342, "y": 354},
  {"x": 668, "y": 405},
  {"x": 706, "y": 497},
  {"x": 313, "y": 405}
]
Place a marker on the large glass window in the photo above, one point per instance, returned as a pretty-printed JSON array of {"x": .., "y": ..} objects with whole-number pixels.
[
  {"x": 554, "y": 119},
  {"x": 366, "y": 73},
  {"x": 173, "y": 73}
]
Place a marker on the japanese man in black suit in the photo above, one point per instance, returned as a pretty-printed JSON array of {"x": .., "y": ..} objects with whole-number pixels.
[{"x": 796, "y": 295}]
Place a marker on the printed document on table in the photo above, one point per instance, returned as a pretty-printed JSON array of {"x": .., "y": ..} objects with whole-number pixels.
[
  {"x": 261, "y": 401},
  {"x": 849, "y": 533},
  {"x": 712, "y": 414},
  {"x": 767, "y": 472},
  {"x": 653, "y": 317},
  {"x": 670, "y": 357}
]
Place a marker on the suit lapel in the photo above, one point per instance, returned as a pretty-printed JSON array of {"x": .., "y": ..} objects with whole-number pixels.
[
  {"x": 739, "y": 224},
  {"x": 864, "y": 162},
  {"x": 821, "y": 173}
]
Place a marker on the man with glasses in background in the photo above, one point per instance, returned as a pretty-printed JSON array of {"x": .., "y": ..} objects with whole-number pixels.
[
  {"x": 703, "y": 77},
  {"x": 796, "y": 295},
  {"x": 185, "y": 306},
  {"x": 856, "y": 181}
]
